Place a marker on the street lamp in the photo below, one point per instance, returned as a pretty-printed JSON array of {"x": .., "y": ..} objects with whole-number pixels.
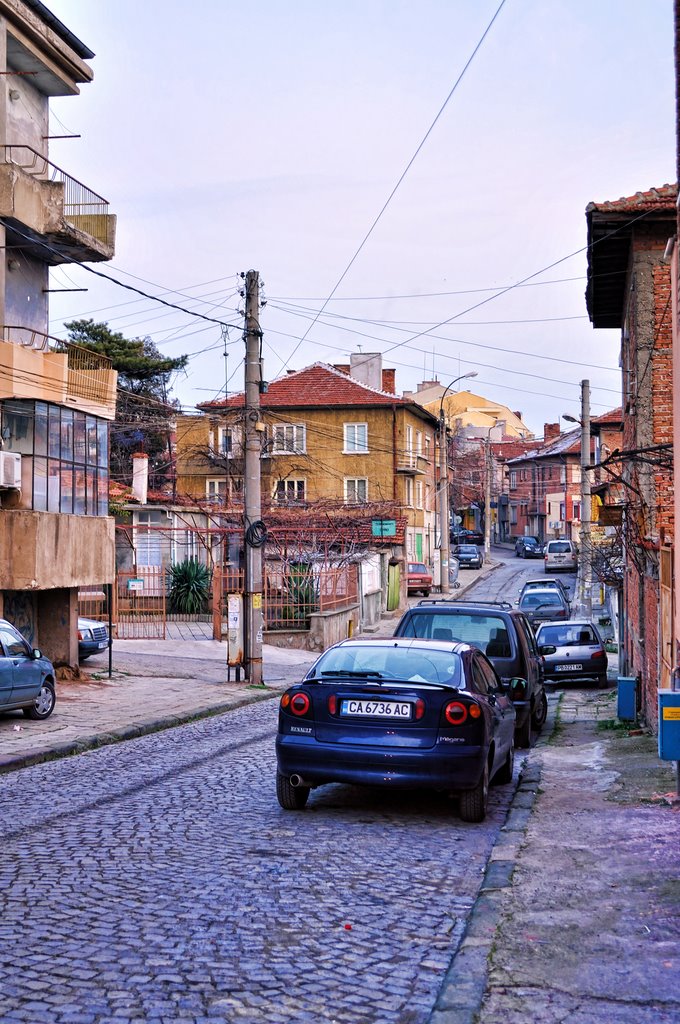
[
  {"x": 445, "y": 547},
  {"x": 585, "y": 559}
]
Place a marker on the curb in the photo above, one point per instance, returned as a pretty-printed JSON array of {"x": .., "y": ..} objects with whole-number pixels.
[
  {"x": 12, "y": 763},
  {"x": 463, "y": 988}
]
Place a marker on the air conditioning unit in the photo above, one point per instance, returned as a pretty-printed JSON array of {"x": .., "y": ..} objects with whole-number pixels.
[{"x": 10, "y": 470}]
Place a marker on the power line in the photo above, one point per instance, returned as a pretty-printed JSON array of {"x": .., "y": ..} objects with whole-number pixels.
[
  {"x": 113, "y": 280},
  {"x": 401, "y": 178}
]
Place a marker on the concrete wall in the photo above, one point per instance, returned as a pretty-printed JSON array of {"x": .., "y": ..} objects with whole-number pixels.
[
  {"x": 27, "y": 115},
  {"x": 46, "y": 550}
]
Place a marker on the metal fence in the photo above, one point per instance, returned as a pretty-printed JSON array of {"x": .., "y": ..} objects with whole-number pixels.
[
  {"x": 140, "y": 604},
  {"x": 296, "y": 591},
  {"x": 83, "y": 208}
]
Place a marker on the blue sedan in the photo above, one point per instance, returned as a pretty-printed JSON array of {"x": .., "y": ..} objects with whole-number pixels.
[{"x": 401, "y": 713}]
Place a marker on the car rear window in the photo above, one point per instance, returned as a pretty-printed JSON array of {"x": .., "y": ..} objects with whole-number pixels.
[
  {"x": 566, "y": 636},
  {"x": 418, "y": 567},
  {"x": 559, "y": 546},
  {"x": 533, "y": 598},
  {"x": 488, "y": 633},
  {"x": 466, "y": 549},
  {"x": 390, "y": 662}
]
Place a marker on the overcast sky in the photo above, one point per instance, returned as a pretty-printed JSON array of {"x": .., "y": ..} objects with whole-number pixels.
[{"x": 269, "y": 136}]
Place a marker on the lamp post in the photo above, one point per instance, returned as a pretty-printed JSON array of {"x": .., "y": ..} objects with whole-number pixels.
[
  {"x": 445, "y": 546},
  {"x": 585, "y": 559}
]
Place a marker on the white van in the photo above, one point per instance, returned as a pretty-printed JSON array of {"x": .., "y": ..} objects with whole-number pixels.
[{"x": 560, "y": 556}]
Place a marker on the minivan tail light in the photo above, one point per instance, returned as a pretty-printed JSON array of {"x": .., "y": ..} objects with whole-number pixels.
[{"x": 455, "y": 713}]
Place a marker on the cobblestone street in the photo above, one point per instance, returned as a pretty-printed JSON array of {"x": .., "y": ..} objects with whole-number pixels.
[{"x": 159, "y": 881}]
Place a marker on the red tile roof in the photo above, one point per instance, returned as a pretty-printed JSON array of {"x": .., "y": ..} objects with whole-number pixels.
[
  {"x": 660, "y": 198},
  {"x": 314, "y": 386}
]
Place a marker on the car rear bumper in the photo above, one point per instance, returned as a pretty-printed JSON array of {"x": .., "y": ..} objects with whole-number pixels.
[{"x": 445, "y": 766}]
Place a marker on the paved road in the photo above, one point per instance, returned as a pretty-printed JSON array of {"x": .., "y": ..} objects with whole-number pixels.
[{"x": 159, "y": 881}]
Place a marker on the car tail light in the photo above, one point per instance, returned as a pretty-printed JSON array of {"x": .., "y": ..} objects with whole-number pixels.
[
  {"x": 299, "y": 704},
  {"x": 285, "y": 700},
  {"x": 597, "y": 654},
  {"x": 475, "y": 711},
  {"x": 420, "y": 708},
  {"x": 332, "y": 704},
  {"x": 455, "y": 713}
]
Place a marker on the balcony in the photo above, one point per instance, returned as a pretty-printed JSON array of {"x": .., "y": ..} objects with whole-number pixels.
[
  {"x": 34, "y": 365},
  {"x": 50, "y": 214},
  {"x": 412, "y": 464}
]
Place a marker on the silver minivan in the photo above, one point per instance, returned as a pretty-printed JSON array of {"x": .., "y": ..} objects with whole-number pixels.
[{"x": 560, "y": 556}]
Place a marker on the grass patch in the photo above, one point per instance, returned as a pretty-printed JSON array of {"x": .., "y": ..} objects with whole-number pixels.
[{"x": 614, "y": 725}]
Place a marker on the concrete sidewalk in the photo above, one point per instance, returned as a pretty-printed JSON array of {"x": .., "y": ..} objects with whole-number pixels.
[{"x": 578, "y": 918}]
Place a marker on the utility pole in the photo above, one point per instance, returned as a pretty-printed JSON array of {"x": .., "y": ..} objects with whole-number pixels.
[
  {"x": 445, "y": 541},
  {"x": 487, "y": 497},
  {"x": 253, "y": 526},
  {"x": 586, "y": 546}
]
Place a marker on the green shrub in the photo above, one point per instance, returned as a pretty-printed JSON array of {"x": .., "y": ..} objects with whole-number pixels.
[{"x": 189, "y": 588}]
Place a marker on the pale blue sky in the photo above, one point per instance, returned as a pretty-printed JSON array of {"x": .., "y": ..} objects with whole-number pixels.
[{"x": 268, "y": 136}]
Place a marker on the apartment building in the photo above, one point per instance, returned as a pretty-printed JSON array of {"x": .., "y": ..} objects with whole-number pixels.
[
  {"x": 329, "y": 435},
  {"x": 56, "y": 400}
]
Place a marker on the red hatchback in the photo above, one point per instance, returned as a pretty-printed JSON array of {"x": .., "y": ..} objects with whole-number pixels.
[{"x": 419, "y": 579}]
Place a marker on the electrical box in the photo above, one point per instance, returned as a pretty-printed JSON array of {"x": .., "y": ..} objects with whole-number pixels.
[
  {"x": 626, "y": 698},
  {"x": 234, "y": 629},
  {"x": 669, "y": 725}
]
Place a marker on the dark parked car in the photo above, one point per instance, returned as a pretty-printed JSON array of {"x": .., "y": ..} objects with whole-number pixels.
[
  {"x": 26, "y": 677},
  {"x": 469, "y": 556},
  {"x": 460, "y": 535},
  {"x": 402, "y": 714},
  {"x": 419, "y": 578},
  {"x": 528, "y": 547},
  {"x": 503, "y": 634},
  {"x": 573, "y": 650},
  {"x": 93, "y": 637},
  {"x": 542, "y": 605}
]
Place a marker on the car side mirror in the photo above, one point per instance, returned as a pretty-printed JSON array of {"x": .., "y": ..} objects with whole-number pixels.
[
  {"x": 36, "y": 653},
  {"x": 547, "y": 649},
  {"x": 518, "y": 688}
]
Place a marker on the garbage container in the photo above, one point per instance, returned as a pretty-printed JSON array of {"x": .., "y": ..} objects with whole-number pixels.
[
  {"x": 453, "y": 573},
  {"x": 626, "y": 698}
]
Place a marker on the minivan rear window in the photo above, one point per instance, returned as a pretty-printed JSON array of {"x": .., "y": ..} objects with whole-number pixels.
[
  {"x": 479, "y": 630},
  {"x": 559, "y": 546}
]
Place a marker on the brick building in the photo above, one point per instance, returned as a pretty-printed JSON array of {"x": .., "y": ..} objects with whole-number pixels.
[{"x": 629, "y": 288}]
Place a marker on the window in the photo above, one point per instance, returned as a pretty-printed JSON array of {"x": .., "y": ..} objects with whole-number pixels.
[
  {"x": 409, "y": 492},
  {"x": 428, "y": 446},
  {"x": 563, "y": 474},
  {"x": 419, "y": 493},
  {"x": 356, "y": 437},
  {"x": 356, "y": 489},
  {"x": 428, "y": 498},
  {"x": 563, "y": 511},
  {"x": 228, "y": 442},
  {"x": 409, "y": 441},
  {"x": 65, "y": 457},
  {"x": 513, "y": 515},
  {"x": 289, "y": 438},
  {"x": 513, "y": 479},
  {"x": 577, "y": 510},
  {"x": 289, "y": 490},
  {"x": 216, "y": 490},
  {"x": 419, "y": 442}
]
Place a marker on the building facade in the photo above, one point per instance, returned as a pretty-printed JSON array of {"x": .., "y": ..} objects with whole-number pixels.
[
  {"x": 326, "y": 437},
  {"x": 56, "y": 400},
  {"x": 629, "y": 288}
]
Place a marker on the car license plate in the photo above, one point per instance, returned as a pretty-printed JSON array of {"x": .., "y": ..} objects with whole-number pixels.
[
  {"x": 568, "y": 668},
  {"x": 104, "y": 643},
  {"x": 375, "y": 708}
]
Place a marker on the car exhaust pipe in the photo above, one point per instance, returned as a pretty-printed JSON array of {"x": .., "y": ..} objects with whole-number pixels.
[{"x": 296, "y": 781}]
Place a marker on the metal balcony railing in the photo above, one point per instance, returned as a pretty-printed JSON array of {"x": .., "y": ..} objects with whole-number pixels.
[
  {"x": 89, "y": 373},
  {"x": 83, "y": 208}
]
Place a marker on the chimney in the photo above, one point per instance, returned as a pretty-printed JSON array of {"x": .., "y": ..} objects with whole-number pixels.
[
  {"x": 366, "y": 367},
  {"x": 517, "y": 414},
  {"x": 425, "y": 384},
  {"x": 551, "y": 431},
  {"x": 342, "y": 367},
  {"x": 389, "y": 381},
  {"x": 140, "y": 477}
]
